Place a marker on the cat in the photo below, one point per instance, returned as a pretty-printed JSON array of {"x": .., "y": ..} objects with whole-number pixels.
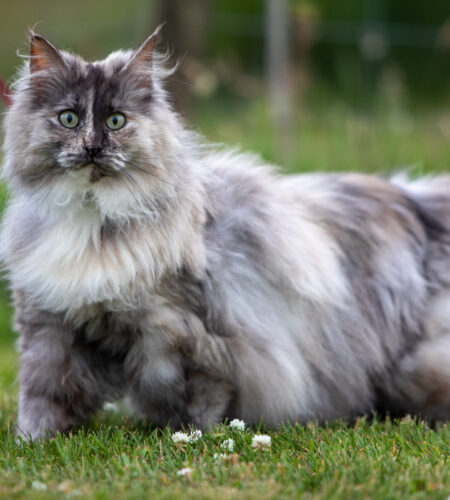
[{"x": 199, "y": 284}]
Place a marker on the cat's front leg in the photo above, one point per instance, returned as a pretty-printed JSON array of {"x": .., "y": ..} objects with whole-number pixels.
[
  {"x": 208, "y": 352},
  {"x": 57, "y": 388}
]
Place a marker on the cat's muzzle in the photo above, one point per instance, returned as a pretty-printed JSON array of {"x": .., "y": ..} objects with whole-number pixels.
[{"x": 97, "y": 171}]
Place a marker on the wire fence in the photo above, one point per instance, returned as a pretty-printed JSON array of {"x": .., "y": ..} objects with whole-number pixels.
[{"x": 344, "y": 31}]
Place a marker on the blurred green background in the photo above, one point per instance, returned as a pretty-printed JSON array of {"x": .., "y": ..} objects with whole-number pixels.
[{"x": 312, "y": 85}]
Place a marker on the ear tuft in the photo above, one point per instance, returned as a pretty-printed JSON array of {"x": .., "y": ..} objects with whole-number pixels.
[
  {"x": 43, "y": 55},
  {"x": 144, "y": 54}
]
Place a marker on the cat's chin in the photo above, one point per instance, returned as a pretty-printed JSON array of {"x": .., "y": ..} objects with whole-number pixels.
[
  {"x": 94, "y": 172},
  {"x": 75, "y": 195}
]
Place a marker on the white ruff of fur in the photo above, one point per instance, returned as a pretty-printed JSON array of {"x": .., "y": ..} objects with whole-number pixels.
[{"x": 70, "y": 268}]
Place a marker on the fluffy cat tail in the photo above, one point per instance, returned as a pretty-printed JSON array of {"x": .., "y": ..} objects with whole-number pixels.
[
  {"x": 423, "y": 377},
  {"x": 431, "y": 197}
]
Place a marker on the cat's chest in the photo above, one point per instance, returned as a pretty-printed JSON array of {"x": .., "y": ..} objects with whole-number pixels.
[{"x": 71, "y": 266}]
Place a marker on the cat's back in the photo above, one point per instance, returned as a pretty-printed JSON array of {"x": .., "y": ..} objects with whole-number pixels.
[
  {"x": 336, "y": 239},
  {"x": 345, "y": 208},
  {"x": 327, "y": 235}
]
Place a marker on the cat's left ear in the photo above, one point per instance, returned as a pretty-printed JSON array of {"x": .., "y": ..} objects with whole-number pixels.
[
  {"x": 43, "y": 55},
  {"x": 143, "y": 56}
]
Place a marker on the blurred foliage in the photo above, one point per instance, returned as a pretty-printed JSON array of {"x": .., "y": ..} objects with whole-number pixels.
[
  {"x": 87, "y": 27},
  {"x": 415, "y": 36},
  {"x": 352, "y": 49}
]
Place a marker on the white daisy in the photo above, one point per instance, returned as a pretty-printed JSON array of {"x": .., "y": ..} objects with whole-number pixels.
[
  {"x": 186, "y": 472},
  {"x": 38, "y": 486},
  {"x": 195, "y": 435},
  {"x": 181, "y": 437},
  {"x": 237, "y": 424},
  {"x": 111, "y": 407},
  {"x": 261, "y": 441},
  {"x": 228, "y": 445}
]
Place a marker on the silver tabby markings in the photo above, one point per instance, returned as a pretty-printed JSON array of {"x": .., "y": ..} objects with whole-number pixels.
[{"x": 200, "y": 284}]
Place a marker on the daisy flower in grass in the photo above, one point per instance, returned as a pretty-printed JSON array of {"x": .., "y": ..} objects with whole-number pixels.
[
  {"x": 195, "y": 435},
  {"x": 261, "y": 441},
  {"x": 186, "y": 472},
  {"x": 237, "y": 424},
  {"x": 228, "y": 445},
  {"x": 38, "y": 485},
  {"x": 181, "y": 437}
]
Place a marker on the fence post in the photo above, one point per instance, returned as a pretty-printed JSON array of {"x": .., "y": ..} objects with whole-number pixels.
[{"x": 277, "y": 71}]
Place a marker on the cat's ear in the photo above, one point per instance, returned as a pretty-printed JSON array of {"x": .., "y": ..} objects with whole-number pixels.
[
  {"x": 143, "y": 55},
  {"x": 43, "y": 55}
]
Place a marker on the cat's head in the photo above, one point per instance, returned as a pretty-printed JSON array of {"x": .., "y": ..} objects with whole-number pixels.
[{"x": 102, "y": 130}]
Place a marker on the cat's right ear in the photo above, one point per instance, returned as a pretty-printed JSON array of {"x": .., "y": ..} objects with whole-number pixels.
[
  {"x": 143, "y": 56},
  {"x": 43, "y": 55}
]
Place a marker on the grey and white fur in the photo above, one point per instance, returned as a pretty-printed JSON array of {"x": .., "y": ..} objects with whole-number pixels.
[{"x": 199, "y": 284}]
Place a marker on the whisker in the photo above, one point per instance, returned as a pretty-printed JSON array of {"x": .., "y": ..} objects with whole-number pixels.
[
  {"x": 152, "y": 174},
  {"x": 127, "y": 176},
  {"x": 149, "y": 158},
  {"x": 146, "y": 171}
]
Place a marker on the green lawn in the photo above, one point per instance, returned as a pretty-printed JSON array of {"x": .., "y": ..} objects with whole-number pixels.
[{"x": 115, "y": 457}]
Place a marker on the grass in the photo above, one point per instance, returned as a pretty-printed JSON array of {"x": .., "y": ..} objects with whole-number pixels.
[
  {"x": 115, "y": 457},
  {"x": 333, "y": 137}
]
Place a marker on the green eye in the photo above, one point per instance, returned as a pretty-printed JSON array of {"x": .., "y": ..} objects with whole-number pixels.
[
  {"x": 69, "y": 119},
  {"x": 115, "y": 121}
]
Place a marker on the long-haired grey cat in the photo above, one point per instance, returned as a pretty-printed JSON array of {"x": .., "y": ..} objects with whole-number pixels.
[{"x": 199, "y": 284}]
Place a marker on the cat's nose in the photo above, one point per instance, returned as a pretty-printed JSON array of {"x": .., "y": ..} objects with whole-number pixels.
[{"x": 93, "y": 151}]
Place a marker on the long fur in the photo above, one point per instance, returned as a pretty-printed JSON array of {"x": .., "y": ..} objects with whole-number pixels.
[{"x": 201, "y": 284}]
